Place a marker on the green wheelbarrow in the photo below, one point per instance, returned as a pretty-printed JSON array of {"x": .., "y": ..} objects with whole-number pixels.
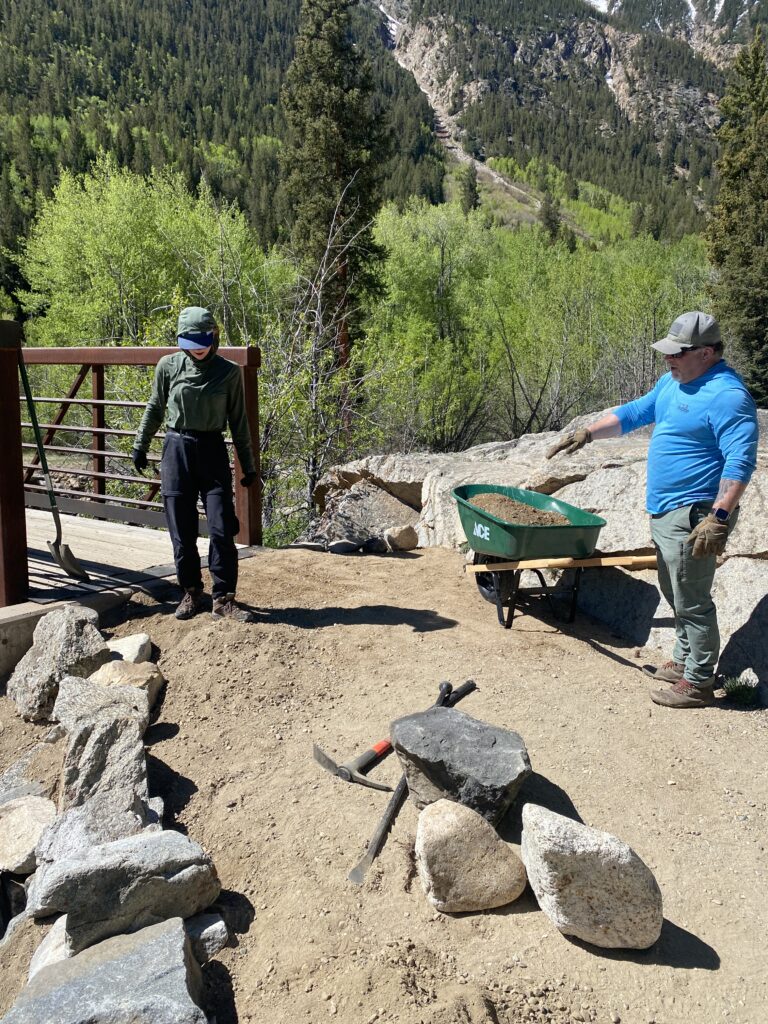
[{"x": 495, "y": 540}]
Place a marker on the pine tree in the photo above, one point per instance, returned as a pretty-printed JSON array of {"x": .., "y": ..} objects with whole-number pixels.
[
  {"x": 738, "y": 230},
  {"x": 549, "y": 216},
  {"x": 331, "y": 157},
  {"x": 470, "y": 197}
]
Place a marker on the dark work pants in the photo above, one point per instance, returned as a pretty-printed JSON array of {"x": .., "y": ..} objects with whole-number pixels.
[{"x": 197, "y": 464}]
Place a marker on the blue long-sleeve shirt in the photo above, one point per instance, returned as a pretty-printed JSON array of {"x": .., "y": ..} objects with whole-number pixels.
[{"x": 705, "y": 431}]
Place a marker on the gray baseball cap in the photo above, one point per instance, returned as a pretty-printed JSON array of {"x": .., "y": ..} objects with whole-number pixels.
[
  {"x": 690, "y": 330},
  {"x": 195, "y": 328}
]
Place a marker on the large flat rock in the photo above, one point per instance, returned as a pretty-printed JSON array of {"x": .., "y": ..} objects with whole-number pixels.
[{"x": 128, "y": 884}]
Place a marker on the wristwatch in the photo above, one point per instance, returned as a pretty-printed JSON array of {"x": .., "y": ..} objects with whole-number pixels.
[{"x": 721, "y": 515}]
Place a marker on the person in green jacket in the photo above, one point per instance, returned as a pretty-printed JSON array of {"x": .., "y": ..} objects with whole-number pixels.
[{"x": 199, "y": 393}]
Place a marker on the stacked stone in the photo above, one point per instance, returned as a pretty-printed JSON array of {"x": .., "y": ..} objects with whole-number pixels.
[{"x": 126, "y": 896}]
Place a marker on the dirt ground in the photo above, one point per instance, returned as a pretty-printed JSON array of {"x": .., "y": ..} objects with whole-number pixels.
[{"x": 342, "y": 646}]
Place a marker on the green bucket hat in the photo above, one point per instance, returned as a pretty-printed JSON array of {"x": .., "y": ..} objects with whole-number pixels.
[{"x": 196, "y": 328}]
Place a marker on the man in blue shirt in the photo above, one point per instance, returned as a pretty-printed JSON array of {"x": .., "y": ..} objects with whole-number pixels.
[{"x": 702, "y": 454}]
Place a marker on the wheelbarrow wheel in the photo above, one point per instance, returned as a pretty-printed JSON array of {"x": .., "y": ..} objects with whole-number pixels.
[{"x": 493, "y": 585}]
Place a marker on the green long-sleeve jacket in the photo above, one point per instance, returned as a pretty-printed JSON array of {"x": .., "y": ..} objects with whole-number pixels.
[{"x": 198, "y": 395}]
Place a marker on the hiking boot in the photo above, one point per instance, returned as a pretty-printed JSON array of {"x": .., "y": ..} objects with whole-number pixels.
[
  {"x": 191, "y": 603},
  {"x": 685, "y": 695},
  {"x": 227, "y": 608},
  {"x": 670, "y": 671}
]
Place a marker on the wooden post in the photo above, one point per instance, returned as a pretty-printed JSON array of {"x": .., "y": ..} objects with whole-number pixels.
[
  {"x": 14, "y": 572},
  {"x": 248, "y": 499}
]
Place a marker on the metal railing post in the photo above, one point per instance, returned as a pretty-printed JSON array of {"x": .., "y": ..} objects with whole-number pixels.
[
  {"x": 14, "y": 572},
  {"x": 248, "y": 499},
  {"x": 98, "y": 420}
]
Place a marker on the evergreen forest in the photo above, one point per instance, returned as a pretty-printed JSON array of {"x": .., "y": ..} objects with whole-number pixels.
[{"x": 274, "y": 163}]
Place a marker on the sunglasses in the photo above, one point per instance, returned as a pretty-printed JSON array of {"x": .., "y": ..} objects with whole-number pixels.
[{"x": 679, "y": 355}]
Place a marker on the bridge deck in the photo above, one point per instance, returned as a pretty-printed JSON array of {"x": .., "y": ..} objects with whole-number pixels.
[
  {"x": 112, "y": 554},
  {"x": 118, "y": 558}
]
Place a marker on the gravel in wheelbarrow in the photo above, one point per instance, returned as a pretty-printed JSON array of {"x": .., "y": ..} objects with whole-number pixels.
[{"x": 573, "y": 536}]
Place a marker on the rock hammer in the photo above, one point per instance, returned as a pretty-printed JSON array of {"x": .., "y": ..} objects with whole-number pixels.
[{"x": 352, "y": 771}]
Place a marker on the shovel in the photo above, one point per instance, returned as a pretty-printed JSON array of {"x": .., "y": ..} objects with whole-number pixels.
[{"x": 59, "y": 551}]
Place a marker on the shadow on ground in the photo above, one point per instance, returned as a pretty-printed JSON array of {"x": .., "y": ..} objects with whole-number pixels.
[
  {"x": 676, "y": 947},
  {"x": 421, "y": 620},
  {"x": 175, "y": 789},
  {"x": 218, "y": 996}
]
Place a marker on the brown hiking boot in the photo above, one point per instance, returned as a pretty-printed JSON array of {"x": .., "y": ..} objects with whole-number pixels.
[
  {"x": 227, "y": 608},
  {"x": 670, "y": 671},
  {"x": 191, "y": 603},
  {"x": 685, "y": 695}
]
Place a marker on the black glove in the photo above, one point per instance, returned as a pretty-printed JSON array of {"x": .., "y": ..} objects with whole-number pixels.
[
  {"x": 249, "y": 479},
  {"x": 139, "y": 459}
]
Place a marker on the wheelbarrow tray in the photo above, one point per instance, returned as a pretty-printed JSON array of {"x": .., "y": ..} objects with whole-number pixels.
[{"x": 489, "y": 535}]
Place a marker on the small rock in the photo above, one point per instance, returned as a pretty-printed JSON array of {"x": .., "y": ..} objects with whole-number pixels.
[
  {"x": 401, "y": 538},
  {"x": 22, "y": 822},
  {"x": 134, "y": 648}
]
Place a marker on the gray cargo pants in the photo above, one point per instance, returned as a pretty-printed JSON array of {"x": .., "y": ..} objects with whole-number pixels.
[{"x": 686, "y": 583}]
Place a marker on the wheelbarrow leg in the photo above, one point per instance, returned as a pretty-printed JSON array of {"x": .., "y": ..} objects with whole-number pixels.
[
  {"x": 496, "y": 577},
  {"x": 511, "y": 600},
  {"x": 575, "y": 593}
]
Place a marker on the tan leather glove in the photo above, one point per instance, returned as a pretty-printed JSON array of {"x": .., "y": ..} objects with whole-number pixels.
[
  {"x": 708, "y": 538},
  {"x": 570, "y": 443}
]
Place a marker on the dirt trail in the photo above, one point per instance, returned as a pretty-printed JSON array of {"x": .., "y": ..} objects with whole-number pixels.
[{"x": 342, "y": 646}]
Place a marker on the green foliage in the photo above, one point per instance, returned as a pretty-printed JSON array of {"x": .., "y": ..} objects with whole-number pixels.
[
  {"x": 487, "y": 333},
  {"x": 594, "y": 211},
  {"x": 161, "y": 85},
  {"x": 110, "y": 246},
  {"x": 470, "y": 196},
  {"x": 738, "y": 230},
  {"x": 333, "y": 151},
  {"x": 549, "y": 216},
  {"x": 741, "y": 691}
]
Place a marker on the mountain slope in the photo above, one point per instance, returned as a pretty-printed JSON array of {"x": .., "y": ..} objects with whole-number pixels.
[{"x": 633, "y": 111}]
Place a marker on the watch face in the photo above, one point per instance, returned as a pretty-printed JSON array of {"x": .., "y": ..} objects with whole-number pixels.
[{"x": 721, "y": 515}]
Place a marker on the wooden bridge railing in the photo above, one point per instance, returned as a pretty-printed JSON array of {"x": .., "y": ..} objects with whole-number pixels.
[{"x": 99, "y": 464}]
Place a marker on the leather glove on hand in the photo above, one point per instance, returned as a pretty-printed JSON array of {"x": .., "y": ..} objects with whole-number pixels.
[
  {"x": 139, "y": 460},
  {"x": 570, "y": 443},
  {"x": 249, "y": 479},
  {"x": 708, "y": 538}
]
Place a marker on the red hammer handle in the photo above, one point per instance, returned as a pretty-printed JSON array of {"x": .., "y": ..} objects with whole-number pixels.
[{"x": 374, "y": 753}]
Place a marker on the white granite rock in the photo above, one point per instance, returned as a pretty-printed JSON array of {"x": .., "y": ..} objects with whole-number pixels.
[
  {"x": 208, "y": 934},
  {"x": 135, "y": 648},
  {"x": 52, "y": 949},
  {"x": 22, "y": 822},
  {"x": 144, "y": 675},
  {"x": 589, "y": 883},
  {"x": 401, "y": 538},
  {"x": 65, "y": 642}
]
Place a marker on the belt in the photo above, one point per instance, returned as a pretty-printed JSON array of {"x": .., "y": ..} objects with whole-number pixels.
[{"x": 195, "y": 433}]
